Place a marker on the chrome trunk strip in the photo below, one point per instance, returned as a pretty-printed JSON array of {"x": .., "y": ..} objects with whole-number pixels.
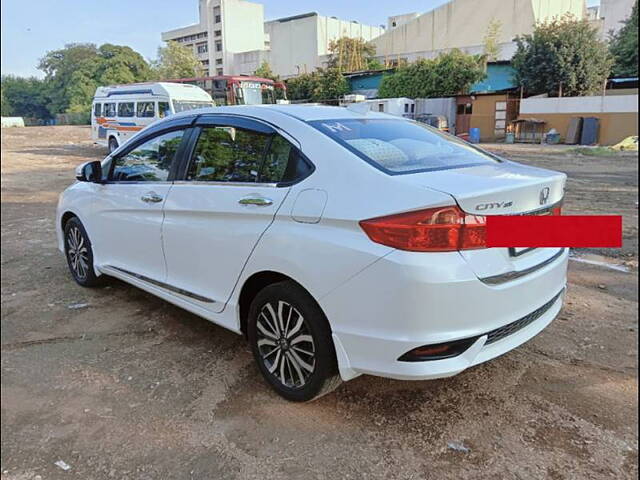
[
  {"x": 163, "y": 285},
  {"x": 509, "y": 276}
]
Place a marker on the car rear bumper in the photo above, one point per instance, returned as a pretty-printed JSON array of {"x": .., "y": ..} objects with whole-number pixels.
[{"x": 408, "y": 300}]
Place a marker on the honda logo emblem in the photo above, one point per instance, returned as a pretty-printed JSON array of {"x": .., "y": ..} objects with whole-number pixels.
[{"x": 544, "y": 195}]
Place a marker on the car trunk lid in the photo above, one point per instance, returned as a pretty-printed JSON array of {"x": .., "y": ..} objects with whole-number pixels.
[
  {"x": 504, "y": 188},
  {"x": 496, "y": 189}
]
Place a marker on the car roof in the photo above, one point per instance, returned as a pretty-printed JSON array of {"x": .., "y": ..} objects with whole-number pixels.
[{"x": 305, "y": 113}]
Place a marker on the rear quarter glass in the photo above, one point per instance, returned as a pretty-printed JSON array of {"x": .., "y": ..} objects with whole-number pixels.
[{"x": 398, "y": 146}]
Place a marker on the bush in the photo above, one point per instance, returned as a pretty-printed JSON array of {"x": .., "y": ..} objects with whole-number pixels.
[{"x": 449, "y": 74}]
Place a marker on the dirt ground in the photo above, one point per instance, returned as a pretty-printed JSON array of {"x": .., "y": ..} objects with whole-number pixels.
[{"x": 130, "y": 387}]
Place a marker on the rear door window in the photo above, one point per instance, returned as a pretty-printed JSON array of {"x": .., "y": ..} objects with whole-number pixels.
[
  {"x": 402, "y": 146},
  {"x": 227, "y": 154},
  {"x": 283, "y": 163},
  {"x": 125, "y": 109}
]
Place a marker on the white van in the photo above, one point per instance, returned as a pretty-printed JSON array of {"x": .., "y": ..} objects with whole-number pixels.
[{"x": 120, "y": 111}]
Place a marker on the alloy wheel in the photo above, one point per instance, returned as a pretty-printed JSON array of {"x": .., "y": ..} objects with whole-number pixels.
[
  {"x": 77, "y": 252},
  {"x": 285, "y": 344}
]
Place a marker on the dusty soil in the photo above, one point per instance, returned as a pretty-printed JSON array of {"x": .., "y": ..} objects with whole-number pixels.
[{"x": 130, "y": 387}]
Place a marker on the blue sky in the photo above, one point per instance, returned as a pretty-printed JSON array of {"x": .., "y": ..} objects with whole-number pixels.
[{"x": 32, "y": 27}]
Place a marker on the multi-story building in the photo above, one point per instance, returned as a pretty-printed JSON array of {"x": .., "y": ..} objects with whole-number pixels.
[
  {"x": 232, "y": 38},
  {"x": 463, "y": 24},
  {"x": 613, "y": 13},
  {"x": 226, "y": 27},
  {"x": 300, "y": 43},
  {"x": 609, "y": 16},
  {"x": 397, "y": 20}
]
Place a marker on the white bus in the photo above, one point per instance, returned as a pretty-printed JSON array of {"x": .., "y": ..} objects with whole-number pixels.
[{"x": 120, "y": 111}]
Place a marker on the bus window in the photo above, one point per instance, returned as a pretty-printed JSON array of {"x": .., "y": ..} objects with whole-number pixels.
[
  {"x": 125, "y": 109},
  {"x": 145, "y": 110},
  {"x": 97, "y": 110},
  {"x": 109, "y": 110},
  {"x": 163, "y": 109}
]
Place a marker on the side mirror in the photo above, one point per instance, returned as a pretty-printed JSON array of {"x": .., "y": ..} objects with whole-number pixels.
[{"x": 89, "y": 172}]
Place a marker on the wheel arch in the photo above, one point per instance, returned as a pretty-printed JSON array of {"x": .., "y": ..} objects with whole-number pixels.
[
  {"x": 256, "y": 282},
  {"x": 65, "y": 217},
  {"x": 113, "y": 136}
]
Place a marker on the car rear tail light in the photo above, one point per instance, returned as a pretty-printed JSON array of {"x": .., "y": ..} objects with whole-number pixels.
[{"x": 442, "y": 229}]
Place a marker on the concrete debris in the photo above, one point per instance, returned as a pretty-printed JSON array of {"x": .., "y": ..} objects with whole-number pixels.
[
  {"x": 64, "y": 466},
  {"x": 77, "y": 306},
  {"x": 458, "y": 447}
]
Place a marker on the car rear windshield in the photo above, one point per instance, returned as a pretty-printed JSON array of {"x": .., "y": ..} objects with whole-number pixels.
[{"x": 402, "y": 146}]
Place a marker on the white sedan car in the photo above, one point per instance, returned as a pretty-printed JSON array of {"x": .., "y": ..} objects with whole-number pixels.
[{"x": 339, "y": 243}]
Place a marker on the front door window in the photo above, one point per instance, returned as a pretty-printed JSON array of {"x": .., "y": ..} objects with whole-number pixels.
[{"x": 149, "y": 162}]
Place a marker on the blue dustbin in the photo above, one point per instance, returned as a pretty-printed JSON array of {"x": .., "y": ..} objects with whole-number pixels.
[{"x": 474, "y": 135}]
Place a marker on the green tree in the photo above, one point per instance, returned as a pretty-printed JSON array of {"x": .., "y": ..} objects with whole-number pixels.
[
  {"x": 492, "y": 40},
  {"x": 322, "y": 85},
  {"x": 301, "y": 87},
  {"x": 449, "y": 74},
  {"x": 350, "y": 54},
  {"x": 122, "y": 65},
  {"x": 264, "y": 71},
  {"x": 562, "y": 55},
  {"x": 176, "y": 61},
  {"x": 624, "y": 46},
  {"x": 66, "y": 66},
  {"x": 74, "y": 72},
  {"x": 374, "y": 64},
  {"x": 5, "y": 107},
  {"x": 330, "y": 84},
  {"x": 25, "y": 97}
]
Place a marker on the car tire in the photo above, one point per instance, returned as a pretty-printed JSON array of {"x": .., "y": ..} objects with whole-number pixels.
[
  {"x": 291, "y": 342},
  {"x": 113, "y": 144},
  {"x": 79, "y": 253}
]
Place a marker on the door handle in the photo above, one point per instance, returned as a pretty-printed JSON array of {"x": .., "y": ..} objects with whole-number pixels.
[
  {"x": 151, "y": 197},
  {"x": 259, "y": 201}
]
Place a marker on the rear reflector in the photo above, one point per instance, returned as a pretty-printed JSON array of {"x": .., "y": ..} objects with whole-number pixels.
[
  {"x": 438, "y": 351},
  {"x": 443, "y": 229}
]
